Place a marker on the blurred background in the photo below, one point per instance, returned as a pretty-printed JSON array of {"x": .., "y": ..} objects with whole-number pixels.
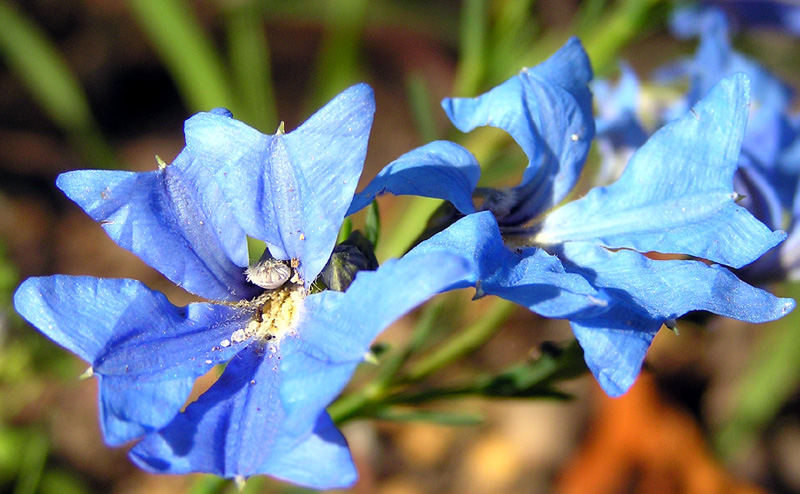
[{"x": 108, "y": 84}]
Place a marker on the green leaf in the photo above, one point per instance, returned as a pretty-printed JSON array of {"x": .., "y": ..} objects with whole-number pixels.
[
  {"x": 36, "y": 60},
  {"x": 250, "y": 63},
  {"x": 536, "y": 377},
  {"x": 419, "y": 98},
  {"x": 34, "y": 456},
  {"x": 472, "y": 63},
  {"x": 255, "y": 249},
  {"x": 187, "y": 52},
  {"x": 769, "y": 380},
  {"x": 60, "y": 481},
  {"x": 338, "y": 62},
  {"x": 208, "y": 484}
]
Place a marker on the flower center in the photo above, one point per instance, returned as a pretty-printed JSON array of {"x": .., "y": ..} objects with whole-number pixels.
[{"x": 276, "y": 314}]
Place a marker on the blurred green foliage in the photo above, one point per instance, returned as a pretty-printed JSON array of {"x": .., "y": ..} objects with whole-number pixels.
[{"x": 229, "y": 64}]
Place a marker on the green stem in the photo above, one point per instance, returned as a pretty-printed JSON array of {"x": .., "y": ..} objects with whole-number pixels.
[
  {"x": 351, "y": 405},
  {"x": 396, "y": 241},
  {"x": 465, "y": 342}
]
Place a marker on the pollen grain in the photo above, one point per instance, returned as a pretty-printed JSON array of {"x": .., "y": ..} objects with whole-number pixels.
[{"x": 276, "y": 315}]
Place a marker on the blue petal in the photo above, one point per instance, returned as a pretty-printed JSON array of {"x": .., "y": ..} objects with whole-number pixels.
[
  {"x": 769, "y": 132},
  {"x": 613, "y": 352},
  {"x": 769, "y": 147},
  {"x": 337, "y": 324},
  {"x": 789, "y": 259},
  {"x": 617, "y": 100},
  {"x": 548, "y": 111},
  {"x": 476, "y": 237},
  {"x": 311, "y": 377},
  {"x": 532, "y": 277},
  {"x": 760, "y": 197},
  {"x": 440, "y": 169},
  {"x": 291, "y": 190},
  {"x": 662, "y": 290},
  {"x": 271, "y": 397},
  {"x": 230, "y": 430},
  {"x": 538, "y": 281},
  {"x": 322, "y": 461},
  {"x": 760, "y": 13},
  {"x": 336, "y": 332},
  {"x": 619, "y": 132},
  {"x": 654, "y": 206},
  {"x": 237, "y": 429},
  {"x": 686, "y": 21},
  {"x": 645, "y": 293},
  {"x": 175, "y": 219},
  {"x": 715, "y": 59},
  {"x": 145, "y": 351},
  {"x": 748, "y": 13}
]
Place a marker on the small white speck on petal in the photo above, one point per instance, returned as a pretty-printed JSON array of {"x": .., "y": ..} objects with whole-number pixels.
[{"x": 238, "y": 336}]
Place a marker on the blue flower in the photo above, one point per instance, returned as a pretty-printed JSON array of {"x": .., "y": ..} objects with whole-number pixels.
[
  {"x": 716, "y": 59},
  {"x": 769, "y": 164},
  {"x": 776, "y": 14},
  {"x": 289, "y": 349},
  {"x": 585, "y": 260},
  {"x": 619, "y": 131}
]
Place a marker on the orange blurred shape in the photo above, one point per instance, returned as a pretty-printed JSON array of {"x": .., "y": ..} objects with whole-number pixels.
[{"x": 640, "y": 444}]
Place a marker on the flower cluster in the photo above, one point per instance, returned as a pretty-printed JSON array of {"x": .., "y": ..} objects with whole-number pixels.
[
  {"x": 768, "y": 170},
  {"x": 586, "y": 260},
  {"x": 291, "y": 339},
  {"x": 289, "y": 348}
]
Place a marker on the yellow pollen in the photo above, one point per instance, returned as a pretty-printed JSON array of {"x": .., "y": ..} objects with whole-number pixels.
[{"x": 275, "y": 316}]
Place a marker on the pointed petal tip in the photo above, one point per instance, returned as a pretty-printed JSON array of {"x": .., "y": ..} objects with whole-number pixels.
[
  {"x": 575, "y": 45},
  {"x": 787, "y": 306},
  {"x": 740, "y": 81},
  {"x": 362, "y": 90},
  {"x": 362, "y": 94},
  {"x": 613, "y": 387}
]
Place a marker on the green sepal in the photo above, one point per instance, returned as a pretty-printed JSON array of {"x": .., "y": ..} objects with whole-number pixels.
[
  {"x": 364, "y": 245},
  {"x": 348, "y": 258}
]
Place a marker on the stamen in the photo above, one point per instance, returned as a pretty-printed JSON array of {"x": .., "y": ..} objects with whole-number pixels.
[{"x": 276, "y": 315}]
